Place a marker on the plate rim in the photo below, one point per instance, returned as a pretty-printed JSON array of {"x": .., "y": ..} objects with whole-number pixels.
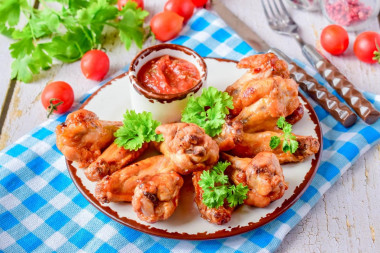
[{"x": 298, "y": 191}]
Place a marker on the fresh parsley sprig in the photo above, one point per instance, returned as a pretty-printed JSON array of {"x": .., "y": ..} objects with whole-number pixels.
[
  {"x": 216, "y": 188},
  {"x": 289, "y": 143},
  {"x": 137, "y": 129},
  {"x": 65, "y": 33},
  {"x": 208, "y": 110}
]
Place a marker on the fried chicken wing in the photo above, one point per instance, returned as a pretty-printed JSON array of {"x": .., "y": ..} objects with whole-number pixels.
[
  {"x": 112, "y": 159},
  {"x": 265, "y": 65},
  {"x": 262, "y": 174},
  {"x": 120, "y": 185},
  {"x": 220, "y": 215},
  {"x": 230, "y": 135},
  {"x": 82, "y": 137},
  {"x": 252, "y": 144},
  {"x": 156, "y": 197},
  {"x": 296, "y": 115},
  {"x": 257, "y": 82},
  {"x": 264, "y": 113},
  {"x": 188, "y": 147}
]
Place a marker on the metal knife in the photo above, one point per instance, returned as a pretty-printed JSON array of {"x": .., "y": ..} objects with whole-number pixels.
[{"x": 307, "y": 83}]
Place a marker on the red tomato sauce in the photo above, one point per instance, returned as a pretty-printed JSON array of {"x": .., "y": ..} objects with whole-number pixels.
[{"x": 168, "y": 75}]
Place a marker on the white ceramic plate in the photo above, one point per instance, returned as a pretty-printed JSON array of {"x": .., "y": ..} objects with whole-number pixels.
[{"x": 112, "y": 100}]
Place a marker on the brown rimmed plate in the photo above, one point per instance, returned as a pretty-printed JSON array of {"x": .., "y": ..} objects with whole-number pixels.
[{"x": 111, "y": 101}]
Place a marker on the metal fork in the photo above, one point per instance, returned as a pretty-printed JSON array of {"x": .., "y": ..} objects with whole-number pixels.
[{"x": 280, "y": 20}]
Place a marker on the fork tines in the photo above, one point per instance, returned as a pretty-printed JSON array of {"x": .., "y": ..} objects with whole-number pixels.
[{"x": 275, "y": 11}]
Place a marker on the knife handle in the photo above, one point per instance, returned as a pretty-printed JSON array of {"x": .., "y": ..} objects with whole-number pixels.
[
  {"x": 322, "y": 96},
  {"x": 345, "y": 88}
]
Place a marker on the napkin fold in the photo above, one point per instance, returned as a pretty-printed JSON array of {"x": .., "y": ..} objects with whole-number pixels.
[{"x": 41, "y": 210}]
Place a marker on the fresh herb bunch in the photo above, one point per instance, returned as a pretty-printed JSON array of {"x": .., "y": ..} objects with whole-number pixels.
[
  {"x": 137, "y": 129},
  {"x": 289, "y": 143},
  {"x": 216, "y": 188},
  {"x": 208, "y": 110},
  {"x": 64, "y": 34}
]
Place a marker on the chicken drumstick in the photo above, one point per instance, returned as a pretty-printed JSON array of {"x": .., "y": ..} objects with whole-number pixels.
[
  {"x": 252, "y": 144},
  {"x": 156, "y": 197},
  {"x": 220, "y": 215},
  {"x": 263, "y": 175},
  {"x": 188, "y": 147},
  {"x": 120, "y": 185},
  {"x": 82, "y": 137}
]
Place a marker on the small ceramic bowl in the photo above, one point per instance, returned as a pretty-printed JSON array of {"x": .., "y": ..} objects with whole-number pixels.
[{"x": 165, "y": 108}]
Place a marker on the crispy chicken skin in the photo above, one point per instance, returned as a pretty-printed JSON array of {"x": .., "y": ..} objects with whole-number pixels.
[
  {"x": 82, "y": 137},
  {"x": 257, "y": 82},
  {"x": 230, "y": 135},
  {"x": 264, "y": 113},
  {"x": 296, "y": 115},
  {"x": 262, "y": 174},
  {"x": 112, "y": 159},
  {"x": 188, "y": 147},
  {"x": 265, "y": 65},
  {"x": 264, "y": 93},
  {"x": 120, "y": 185},
  {"x": 252, "y": 144},
  {"x": 156, "y": 197},
  {"x": 220, "y": 215}
]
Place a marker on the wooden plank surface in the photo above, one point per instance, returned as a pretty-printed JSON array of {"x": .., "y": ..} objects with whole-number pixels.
[
  {"x": 5, "y": 66},
  {"x": 346, "y": 219}
]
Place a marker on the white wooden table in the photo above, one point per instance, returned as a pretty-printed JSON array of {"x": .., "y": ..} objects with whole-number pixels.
[{"x": 346, "y": 219}]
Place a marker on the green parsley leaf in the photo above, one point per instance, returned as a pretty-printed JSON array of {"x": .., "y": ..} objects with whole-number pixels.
[
  {"x": 206, "y": 180},
  {"x": 22, "y": 48},
  {"x": 281, "y": 122},
  {"x": 10, "y": 15},
  {"x": 237, "y": 194},
  {"x": 97, "y": 13},
  {"x": 208, "y": 110},
  {"x": 218, "y": 173},
  {"x": 216, "y": 188},
  {"x": 131, "y": 25},
  {"x": 137, "y": 129},
  {"x": 30, "y": 59},
  {"x": 287, "y": 128},
  {"x": 293, "y": 146},
  {"x": 289, "y": 143},
  {"x": 274, "y": 142},
  {"x": 72, "y": 45},
  {"x": 44, "y": 23},
  {"x": 65, "y": 34},
  {"x": 285, "y": 146},
  {"x": 214, "y": 198}
]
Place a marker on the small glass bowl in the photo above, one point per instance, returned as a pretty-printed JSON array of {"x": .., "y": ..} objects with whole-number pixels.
[
  {"x": 353, "y": 15},
  {"x": 308, "y": 5}
]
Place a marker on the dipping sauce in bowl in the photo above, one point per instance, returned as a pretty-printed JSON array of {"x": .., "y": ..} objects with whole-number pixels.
[
  {"x": 162, "y": 79},
  {"x": 168, "y": 75}
]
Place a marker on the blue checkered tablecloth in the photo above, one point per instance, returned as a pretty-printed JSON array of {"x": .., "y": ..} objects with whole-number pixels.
[{"x": 41, "y": 210}]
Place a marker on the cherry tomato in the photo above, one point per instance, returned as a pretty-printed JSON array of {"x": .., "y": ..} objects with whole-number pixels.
[
  {"x": 365, "y": 46},
  {"x": 121, "y": 3},
  {"x": 57, "y": 97},
  {"x": 199, "y": 3},
  {"x": 95, "y": 64},
  {"x": 166, "y": 25},
  {"x": 334, "y": 39},
  {"x": 184, "y": 8}
]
